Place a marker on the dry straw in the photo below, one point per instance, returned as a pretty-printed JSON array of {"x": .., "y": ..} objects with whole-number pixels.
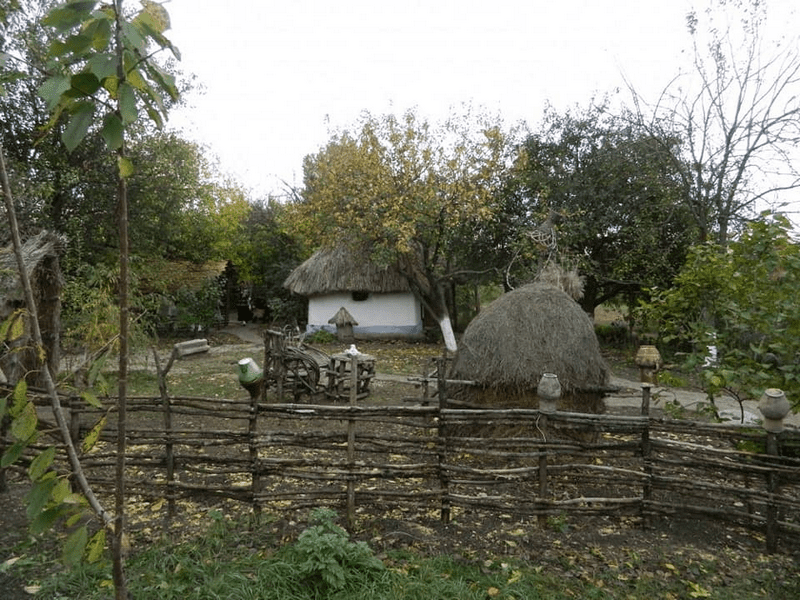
[{"x": 532, "y": 330}]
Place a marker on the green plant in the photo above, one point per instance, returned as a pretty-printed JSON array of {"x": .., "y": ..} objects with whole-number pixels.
[
  {"x": 325, "y": 557},
  {"x": 670, "y": 379},
  {"x": 740, "y": 300},
  {"x": 674, "y": 409},
  {"x": 612, "y": 334},
  {"x": 558, "y": 523},
  {"x": 198, "y": 307},
  {"x": 321, "y": 337}
]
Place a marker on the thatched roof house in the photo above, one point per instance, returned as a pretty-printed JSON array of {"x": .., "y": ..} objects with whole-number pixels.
[
  {"x": 41, "y": 257},
  {"x": 532, "y": 330},
  {"x": 379, "y": 299}
]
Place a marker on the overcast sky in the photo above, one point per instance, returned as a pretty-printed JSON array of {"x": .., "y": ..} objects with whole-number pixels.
[{"x": 278, "y": 75}]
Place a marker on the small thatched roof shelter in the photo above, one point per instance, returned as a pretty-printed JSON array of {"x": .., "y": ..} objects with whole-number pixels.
[
  {"x": 532, "y": 330},
  {"x": 342, "y": 269},
  {"x": 41, "y": 257}
]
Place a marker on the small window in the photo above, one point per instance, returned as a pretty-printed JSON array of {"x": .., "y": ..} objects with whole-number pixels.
[{"x": 360, "y": 296}]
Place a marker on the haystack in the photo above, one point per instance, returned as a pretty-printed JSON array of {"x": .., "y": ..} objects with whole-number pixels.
[{"x": 532, "y": 330}]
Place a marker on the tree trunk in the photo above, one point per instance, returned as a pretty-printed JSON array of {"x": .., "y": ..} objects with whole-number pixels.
[
  {"x": 438, "y": 305},
  {"x": 447, "y": 333},
  {"x": 118, "y": 545},
  {"x": 589, "y": 300}
]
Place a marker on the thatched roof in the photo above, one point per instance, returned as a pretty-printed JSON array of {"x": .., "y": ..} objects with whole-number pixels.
[
  {"x": 35, "y": 251},
  {"x": 173, "y": 275},
  {"x": 342, "y": 318},
  {"x": 341, "y": 269},
  {"x": 40, "y": 255},
  {"x": 532, "y": 330}
]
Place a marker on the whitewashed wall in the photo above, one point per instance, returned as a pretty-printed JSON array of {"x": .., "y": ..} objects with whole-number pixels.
[{"x": 380, "y": 315}]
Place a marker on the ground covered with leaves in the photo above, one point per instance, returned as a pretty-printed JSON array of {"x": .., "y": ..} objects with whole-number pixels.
[
  {"x": 218, "y": 546},
  {"x": 225, "y": 554}
]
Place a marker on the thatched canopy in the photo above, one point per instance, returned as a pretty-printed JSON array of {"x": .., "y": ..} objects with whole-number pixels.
[
  {"x": 341, "y": 269},
  {"x": 532, "y": 330},
  {"x": 36, "y": 251},
  {"x": 40, "y": 255},
  {"x": 342, "y": 318}
]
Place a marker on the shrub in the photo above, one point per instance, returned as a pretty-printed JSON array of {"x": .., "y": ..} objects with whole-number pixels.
[
  {"x": 742, "y": 301},
  {"x": 614, "y": 335},
  {"x": 321, "y": 336},
  {"x": 326, "y": 559}
]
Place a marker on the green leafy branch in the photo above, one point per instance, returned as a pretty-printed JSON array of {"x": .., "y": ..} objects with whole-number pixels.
[{"x": 87, "y": 70}]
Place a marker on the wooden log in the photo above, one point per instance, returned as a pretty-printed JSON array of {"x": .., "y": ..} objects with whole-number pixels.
[{"x": 190, "y": 347}]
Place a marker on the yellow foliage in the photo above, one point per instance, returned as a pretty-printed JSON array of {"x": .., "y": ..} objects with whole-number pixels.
[{"x": 400, "y": 183}]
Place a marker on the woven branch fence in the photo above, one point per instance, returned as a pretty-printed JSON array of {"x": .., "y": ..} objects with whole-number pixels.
[{"x": 422, "y": 458}]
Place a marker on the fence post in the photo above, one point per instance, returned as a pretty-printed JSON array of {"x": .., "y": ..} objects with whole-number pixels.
[
  {"x": 351, "y": 445},
  {"x": 548, "y": 393},
  {"x": 169, "y": 449},
  {"x": 4, "y": 425},
  {"x": 442, "y": 433},
  {"x": 252, "y": 447},
  {"x": 647, "y": 487},
  {"x": 274, "y": 355},
  {"x": 424, "y": 376},
  {"x": 543, "y": 488},
  {"x": 774, "y": 406},
  {"x": 74, "y": 418},
  {"x": 772, "y": 487}
]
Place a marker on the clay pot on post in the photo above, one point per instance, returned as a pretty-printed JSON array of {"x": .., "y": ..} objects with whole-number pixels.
[
  {"x": 648, "y": 359},
  {"x": 548, "y": 392},
  {"x": 251, "y": 377},
  {"x": 774, "y": 406}
]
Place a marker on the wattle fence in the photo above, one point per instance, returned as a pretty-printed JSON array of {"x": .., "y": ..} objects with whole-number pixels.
[{"x": 425, "y": 456}]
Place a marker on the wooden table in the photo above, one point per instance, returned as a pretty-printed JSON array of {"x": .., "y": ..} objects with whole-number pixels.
[{"x": 340, "y": 375}]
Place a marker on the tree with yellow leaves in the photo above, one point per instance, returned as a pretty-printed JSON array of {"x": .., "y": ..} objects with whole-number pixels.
[{"x": 402, "y": 190}]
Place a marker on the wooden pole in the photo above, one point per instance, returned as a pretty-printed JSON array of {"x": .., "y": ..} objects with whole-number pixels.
[
  {"x": 252, "y": 433},
  {"x": 772, "y": 487},
  {"x": 351, "y": 445},
  {"x": 444, "y": 482},
  {"x": 169, "y": 451},
  {"x": 74, "y": 418},
  {"x": 543, "y": 487},
  {"x": 278, "y": 357},
  {"x": 647, "y": 486},
  {"x": 166, "y": 404}
]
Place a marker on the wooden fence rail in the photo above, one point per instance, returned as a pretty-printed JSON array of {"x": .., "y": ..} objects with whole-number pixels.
[{"x": 425, "y": 457}]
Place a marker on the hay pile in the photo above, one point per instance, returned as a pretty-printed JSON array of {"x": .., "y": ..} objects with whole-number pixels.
[{"x": 532, "y": 330}]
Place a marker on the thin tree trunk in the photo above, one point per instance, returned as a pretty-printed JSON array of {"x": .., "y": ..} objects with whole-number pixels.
[
  {"x": 118, "y": 545},
  {"x": 447, "y": 333},
  {"x": 122, "y": 404}
]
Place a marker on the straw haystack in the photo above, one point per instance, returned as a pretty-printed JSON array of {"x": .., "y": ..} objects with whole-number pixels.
[
  {"x": 532, "y": 330},
  {"x": 41, "y": 257},
  {"x": 378, "y": 298}
]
